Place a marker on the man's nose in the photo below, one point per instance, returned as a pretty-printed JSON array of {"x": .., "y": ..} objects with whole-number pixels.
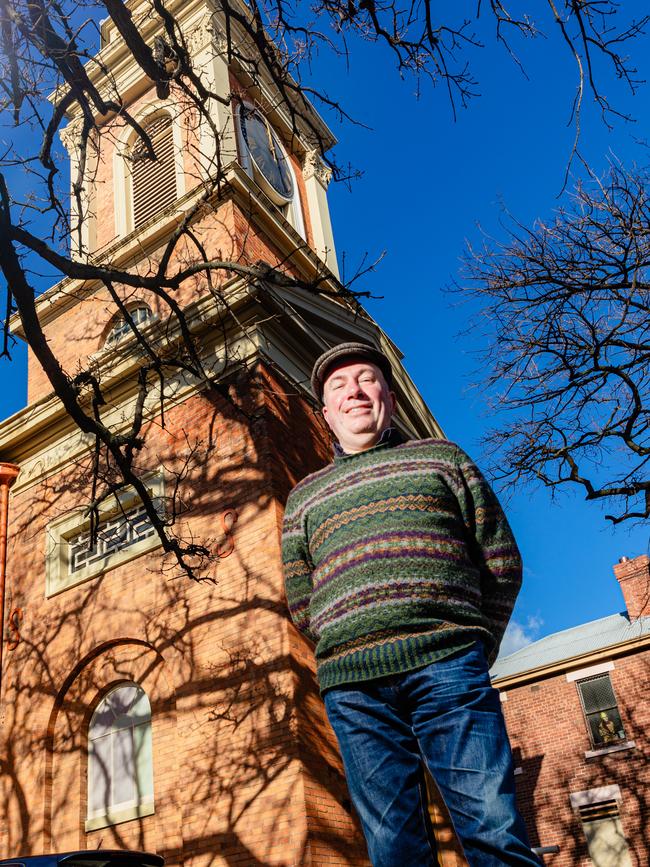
[{"x": 354, "y": 389}]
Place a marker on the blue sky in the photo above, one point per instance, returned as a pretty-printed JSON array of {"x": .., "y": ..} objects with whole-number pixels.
[{"x": 427, "y": 183}]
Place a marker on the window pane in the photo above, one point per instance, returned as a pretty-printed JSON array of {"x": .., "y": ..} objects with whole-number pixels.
[
  {"x": 141, "y": 709},
  {"x": 122, "y": 328},
  {"x": 597, "y": 694},
  {"x": 122, "y": 698},
  {"x": 99, "y": 771},
  {"x": 102, "y": 721},
  {"x": 124, "y": 789},
  {"x": 120, "y": 765},
  {"x": 606, "y": 727}
]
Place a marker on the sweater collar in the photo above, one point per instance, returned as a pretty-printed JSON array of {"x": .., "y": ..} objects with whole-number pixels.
[{"x": 389, "y": 438}]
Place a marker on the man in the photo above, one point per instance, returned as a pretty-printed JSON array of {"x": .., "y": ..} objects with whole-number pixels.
[{"x": 401, "y": 567}]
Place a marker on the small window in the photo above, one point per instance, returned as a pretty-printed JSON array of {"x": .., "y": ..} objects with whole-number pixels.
[
  {"x": 123, "y": 533},
  {"x": 120, "y": 760},
  {"x": 601, "y": 711},
  {"x": 121, "y": 328},
  {"x": 153, "y": 180},
  {"x": 116, "y": 534}
]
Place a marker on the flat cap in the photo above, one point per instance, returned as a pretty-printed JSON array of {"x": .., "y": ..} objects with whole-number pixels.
[{"x": 347, "y": 350}]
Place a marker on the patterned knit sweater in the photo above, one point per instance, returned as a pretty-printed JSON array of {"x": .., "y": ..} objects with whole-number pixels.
[{"x": 395, "y": 557}]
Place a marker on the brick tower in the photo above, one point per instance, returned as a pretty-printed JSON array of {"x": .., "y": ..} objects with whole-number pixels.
[{"x": 138, "y": 708}]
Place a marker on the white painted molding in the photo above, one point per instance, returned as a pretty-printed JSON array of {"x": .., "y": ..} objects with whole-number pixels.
[
  {"x": 316, "y": 177},
  {"x": 591, "y": 671}
]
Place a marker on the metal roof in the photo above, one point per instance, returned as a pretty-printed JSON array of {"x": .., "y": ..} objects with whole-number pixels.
[{"x": 569, "y": 643}]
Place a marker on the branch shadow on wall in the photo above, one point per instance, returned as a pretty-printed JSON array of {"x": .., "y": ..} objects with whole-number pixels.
[{"x": 245, "y": 767}]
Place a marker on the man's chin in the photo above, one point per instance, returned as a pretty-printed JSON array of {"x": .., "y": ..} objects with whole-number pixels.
[
  {"x": 363, "y": 430},
  {"x": 360, "y": 440}
]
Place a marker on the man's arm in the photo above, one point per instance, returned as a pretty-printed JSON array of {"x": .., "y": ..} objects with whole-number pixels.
[
  {"x": 297, "y": 570},
  {"x": 492, "y": 544}
]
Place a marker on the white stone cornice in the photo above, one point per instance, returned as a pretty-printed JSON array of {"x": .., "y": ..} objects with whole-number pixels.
[
  {"x": 313, "y": 166},
  {"x": 70, "y": 135},
  {"x": 238, "y": 186},
  {"x": 202, "y": 34}
]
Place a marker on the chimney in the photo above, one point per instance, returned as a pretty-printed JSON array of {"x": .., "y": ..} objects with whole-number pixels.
[{"x": 634, "y": 577}]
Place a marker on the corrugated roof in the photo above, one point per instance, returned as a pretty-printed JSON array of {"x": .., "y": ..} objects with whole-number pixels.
[{"x": 579, "y": 640}]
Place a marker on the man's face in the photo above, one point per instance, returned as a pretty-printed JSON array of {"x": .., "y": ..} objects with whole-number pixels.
[{"x": 357, "y": 404}]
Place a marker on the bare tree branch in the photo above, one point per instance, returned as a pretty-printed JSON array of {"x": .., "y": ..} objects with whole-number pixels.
[{"x": 566, "y": 308}]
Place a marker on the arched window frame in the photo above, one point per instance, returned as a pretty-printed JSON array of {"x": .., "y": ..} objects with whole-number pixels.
[
  {"x": 110, "y": 342},
  {"x": 122, "y": 179},
  {"x": 110, "y": 808},
  {"x": 293, "y": 207}
]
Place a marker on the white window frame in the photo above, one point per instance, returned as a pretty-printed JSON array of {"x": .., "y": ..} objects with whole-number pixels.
[
  {"x": 120, "y": 318},
  {"x": 604, "y": 745},
  {"x": 135, "y": 808},
  {"x": 58, "y": 576},
  {"x": 122, "y": 182},
  {"x": 293, "y": 206}
]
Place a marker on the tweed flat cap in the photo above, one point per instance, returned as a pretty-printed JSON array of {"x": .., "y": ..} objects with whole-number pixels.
[{"x": 347, "y": 350}]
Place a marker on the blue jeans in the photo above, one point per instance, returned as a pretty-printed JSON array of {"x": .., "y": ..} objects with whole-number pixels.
[{"x": 448, "y": 716}]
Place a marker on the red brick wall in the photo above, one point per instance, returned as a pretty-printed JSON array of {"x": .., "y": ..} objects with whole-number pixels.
[
  {"x": 550, "y": 738},
  {"x": 245, "y": 766},
  {"x": 226, "y": 234}
]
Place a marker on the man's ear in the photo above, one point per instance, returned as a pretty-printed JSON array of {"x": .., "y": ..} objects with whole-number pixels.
[
  {"x": 393, "y": 401},
  {"x": 324, "y": 414}
]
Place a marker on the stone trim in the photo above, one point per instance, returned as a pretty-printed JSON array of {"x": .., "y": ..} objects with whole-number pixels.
[
  {"x": 590, "y": 671},
  {"x": 614, "y": 748},
  {"x": 57, "y": 569},
  {"x": 313, "y": 166},
  {"x": 594, "y": 796},
  {"x": 116, "y": 817}
]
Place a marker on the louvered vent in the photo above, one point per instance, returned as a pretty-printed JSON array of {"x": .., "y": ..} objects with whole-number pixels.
[
  {"x": 154, "y": 181},
  {"x": 602, "y": 810}
]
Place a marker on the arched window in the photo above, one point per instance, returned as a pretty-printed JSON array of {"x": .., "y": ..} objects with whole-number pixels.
[
  {"x": 120, "y": 762},
  {"x": 121, "y": 328},
  {"x": 153, "y": 182}
]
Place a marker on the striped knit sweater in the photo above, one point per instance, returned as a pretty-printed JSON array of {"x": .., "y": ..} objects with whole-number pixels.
[{"x": 395, "y": 557}]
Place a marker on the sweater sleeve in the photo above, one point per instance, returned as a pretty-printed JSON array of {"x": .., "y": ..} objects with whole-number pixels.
[
  {"x": 297, "y": 567},
  {"x": 492, "y": 546}
]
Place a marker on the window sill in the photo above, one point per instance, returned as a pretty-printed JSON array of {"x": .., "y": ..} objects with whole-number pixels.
[
  {"x": 615, "y": 748},
  {"x": 119, "y": 816}
]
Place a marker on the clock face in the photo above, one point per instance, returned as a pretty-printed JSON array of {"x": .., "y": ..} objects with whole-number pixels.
[{"x": 266, "y": 152}]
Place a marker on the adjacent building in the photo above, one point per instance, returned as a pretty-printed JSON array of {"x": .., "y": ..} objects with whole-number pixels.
[{"x": 577, "y": 711}]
